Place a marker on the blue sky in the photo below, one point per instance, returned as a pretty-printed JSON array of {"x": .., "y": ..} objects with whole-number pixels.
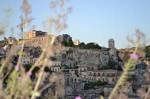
[{"x": 93, "y": 20}]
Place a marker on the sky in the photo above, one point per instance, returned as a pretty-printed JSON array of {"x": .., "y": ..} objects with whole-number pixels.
[{"x": 91, "y": 20}]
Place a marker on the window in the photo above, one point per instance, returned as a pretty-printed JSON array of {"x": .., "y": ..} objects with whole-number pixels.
[
  {"x": 71, "y": 80},
  {"x": 103, "y": 79},
  {"x": 102, "y": 74},
  {"x": 90, "y": 73},
  {"x": 113, "y": 79},
  {"x": 75, "y": 80},
  {"x": 67, "y": 82}
]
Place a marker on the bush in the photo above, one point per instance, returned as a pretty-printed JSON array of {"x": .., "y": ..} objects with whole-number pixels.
[
  {"x": 147, "y": 52},
  {"x": 91, "y": 45},
  {"x": 93, "y": 84},
  {"x": 68, "y": 43}
]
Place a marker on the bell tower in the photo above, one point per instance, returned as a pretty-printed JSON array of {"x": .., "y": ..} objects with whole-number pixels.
[
  {"x": 111, "y": 43},
  {"x": 112, "y": 50}
]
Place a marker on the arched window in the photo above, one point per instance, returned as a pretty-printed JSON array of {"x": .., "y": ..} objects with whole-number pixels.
[
  {"x": 90, "y": 73},
  {"x": 113, "y": 79},
  {"x": 103, "y": 79},
  {"x": 67, "y": 82},
  {"x": 75, "y": 80},
  {"x": 71, "y": 80},
  {"x": 102, "y": 74}
]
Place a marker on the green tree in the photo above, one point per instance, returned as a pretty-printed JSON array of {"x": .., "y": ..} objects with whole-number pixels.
[
  {"x": 92, "y": 45},
  {"x": 147, "y": 52},
  {"x": 68, "y": 43}
]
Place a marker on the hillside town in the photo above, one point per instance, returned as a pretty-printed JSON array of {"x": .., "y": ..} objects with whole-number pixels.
[{"x": 77, "y": 69}]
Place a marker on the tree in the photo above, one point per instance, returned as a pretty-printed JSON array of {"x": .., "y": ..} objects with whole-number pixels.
[
  {"x": 93, "y": 84},
  {"x": 82, "y": 45},
  {"x": 147, "y": 52},
  {"x": 68, "y": 43},
  {"x": 92, "y": 46}
]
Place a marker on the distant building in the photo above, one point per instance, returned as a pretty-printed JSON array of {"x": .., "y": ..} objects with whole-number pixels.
[
  {"x": 111, "y": 43},
  {"x": 112, "y": 50},
  {"x": 34, "y": 33},
  {"x": 37, "y": 39},
  {"x": 76, "y": 42},
  {"x": 104, "y": 56},
  {"x": 10, "y": 40}
]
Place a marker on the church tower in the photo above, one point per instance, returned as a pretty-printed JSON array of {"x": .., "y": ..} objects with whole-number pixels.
[
  {"x": 111, "y": 43},
  {"x": 112, "y": 49}
]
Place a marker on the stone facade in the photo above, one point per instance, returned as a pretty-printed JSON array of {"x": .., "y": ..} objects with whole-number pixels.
[{"x": 88, "y": 73}]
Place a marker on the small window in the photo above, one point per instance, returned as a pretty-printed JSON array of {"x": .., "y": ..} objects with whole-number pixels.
[
  {"x": 103, "y": 79},
  {"x": 102, "y": 74}
]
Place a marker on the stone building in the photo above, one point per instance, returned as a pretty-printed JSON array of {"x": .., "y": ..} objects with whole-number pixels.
[
  {"x": 109, "y": 76},
  {"x": 76, "y": 42},
  {"x": 37, "y": 39},
  {"x": 34, "y": 34},
  {"x": 77, "y": 67},
  {"x": 111, "y": 43},
  {"x": 104, "y": 56}
]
